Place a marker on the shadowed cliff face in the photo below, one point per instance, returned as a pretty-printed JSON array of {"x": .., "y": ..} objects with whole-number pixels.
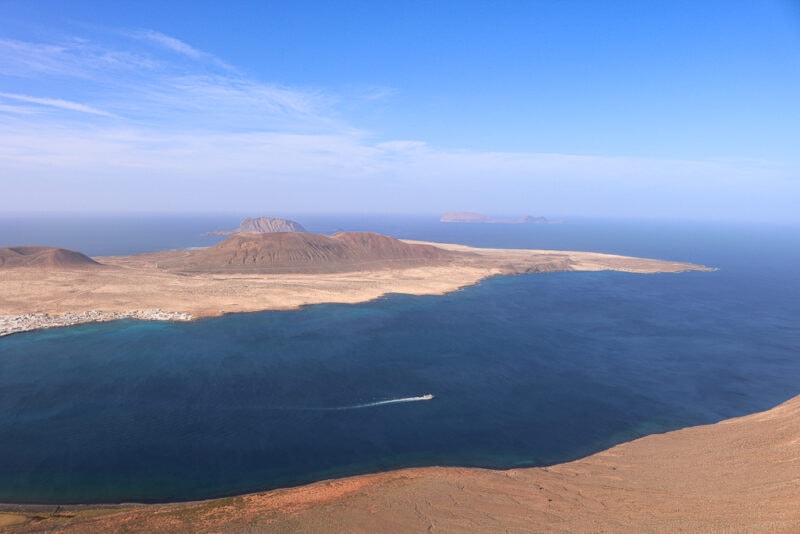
[
  {"x": 300, "y": 252},
  {"x": 45, "y": 258}
]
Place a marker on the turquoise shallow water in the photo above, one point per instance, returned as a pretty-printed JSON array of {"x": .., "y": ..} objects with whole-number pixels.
[{"x": 527, "y": 370}]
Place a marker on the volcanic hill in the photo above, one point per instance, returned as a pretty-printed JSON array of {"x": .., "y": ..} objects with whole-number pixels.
[
  {"x": 302, "y": 252},
  {"x": 262, "y": 225},
  {"x": 44, "y": 258}
]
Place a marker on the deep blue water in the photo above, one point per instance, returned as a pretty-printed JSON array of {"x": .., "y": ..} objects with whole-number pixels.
[{"x": 526, "y": 370}]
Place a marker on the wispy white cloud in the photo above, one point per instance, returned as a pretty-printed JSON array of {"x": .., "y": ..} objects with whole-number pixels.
[
  {"x": 56, "y": 103},
  {"x": 205, "y": 137},
  {"x": 148, "y": 88},
  {"x": 171, "y": 43},
  {"x": 24, "y": 59},
  {"x": 376, "y": 92},
  {"x": 16, "y": 109},
  {"x": 179, "y": 47},
  {"x": 73, "y": 59}
]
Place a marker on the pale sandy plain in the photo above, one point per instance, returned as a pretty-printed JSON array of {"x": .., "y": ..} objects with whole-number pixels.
[
  {"x": 740, "y": 475},
  {"x": 140, "y": 282}
]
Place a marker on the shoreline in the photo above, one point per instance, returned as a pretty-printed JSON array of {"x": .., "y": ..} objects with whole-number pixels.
[
  {"x": 695, "y": 478},
  {"x": 138, "y": 287},
  {"x": 29, "y": 322}
]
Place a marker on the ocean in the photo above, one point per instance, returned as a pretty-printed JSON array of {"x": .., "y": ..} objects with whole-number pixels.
[{"x": 524, "y": 370}]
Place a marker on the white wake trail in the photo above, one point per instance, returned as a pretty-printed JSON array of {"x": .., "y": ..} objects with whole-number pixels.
[{"x": 383, "y": 402}]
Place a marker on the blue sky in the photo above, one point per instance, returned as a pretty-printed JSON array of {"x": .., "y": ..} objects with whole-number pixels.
[{"x": 658, "y": 109}]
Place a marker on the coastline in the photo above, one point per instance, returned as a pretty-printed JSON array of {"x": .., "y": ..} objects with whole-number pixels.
[
  {"x": 738, "y": 475},
  {"x": 137, "y": 287},
  {"x": 15, "y": 324}
]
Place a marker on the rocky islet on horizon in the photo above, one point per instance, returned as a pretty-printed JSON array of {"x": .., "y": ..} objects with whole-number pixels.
[
  {"x": 472, "y": 217},
  {"x": 262, "y": 225}
]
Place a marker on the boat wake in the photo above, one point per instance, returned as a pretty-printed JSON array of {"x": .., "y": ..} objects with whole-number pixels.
[
  {"x": 383, "y": 402},
  {"x": 353, "y": 406}
]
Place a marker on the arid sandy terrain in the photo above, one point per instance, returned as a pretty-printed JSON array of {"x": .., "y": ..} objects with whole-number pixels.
[
  {"x": 211, "y": 283},
  {"x": 740, "y": 475}
]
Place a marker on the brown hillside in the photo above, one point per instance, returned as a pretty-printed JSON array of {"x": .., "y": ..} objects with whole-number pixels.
[
  {"x": 44, "y": 258},
  {"x": 372, "y": 245},
  {"x": 301, "y": 252}
]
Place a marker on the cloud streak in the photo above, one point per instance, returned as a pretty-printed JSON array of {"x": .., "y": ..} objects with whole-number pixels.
[
  {"x": 171, "y": 43},
  {"x": 56, "y": 103},
  {"x": 133, "y": 83},
  {"x": 198, "y": 135},
  {"x": 180, "y": 47}
]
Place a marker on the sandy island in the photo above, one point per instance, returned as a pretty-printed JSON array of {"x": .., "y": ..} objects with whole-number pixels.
[{"x": 175, "y": 285}]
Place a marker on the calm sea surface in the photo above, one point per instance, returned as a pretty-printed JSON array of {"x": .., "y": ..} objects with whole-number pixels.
[{"x": 526, "y": 370}]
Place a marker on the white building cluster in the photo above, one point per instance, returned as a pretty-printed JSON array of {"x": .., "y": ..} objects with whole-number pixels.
[{"x": 12, "y": 324}]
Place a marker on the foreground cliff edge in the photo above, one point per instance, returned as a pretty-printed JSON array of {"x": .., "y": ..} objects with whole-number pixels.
[
  {"x": 42, "y": 287},
  {"x": 739, "y": 475}
]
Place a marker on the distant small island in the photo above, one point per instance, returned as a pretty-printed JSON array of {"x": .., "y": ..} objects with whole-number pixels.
[
  {"x": 471, "y": 217},
  {"x": 262, "y": 225}
]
